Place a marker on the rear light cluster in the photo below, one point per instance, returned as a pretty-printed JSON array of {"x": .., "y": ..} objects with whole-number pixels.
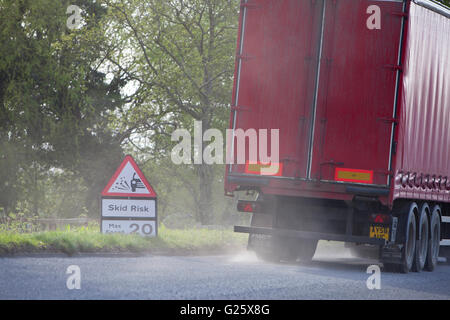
[
  {"x": 380, "y": 218},
  {"x": 249, "y": 206}
]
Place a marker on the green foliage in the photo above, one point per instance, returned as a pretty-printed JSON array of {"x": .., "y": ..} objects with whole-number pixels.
[
  {"x": 182, "y": 63},
  {"x": 70, "y": 99},
  {"x": 85, "y": 240},
  {"x": 18, "y": 223},
  {"x": 55, "y": 104}
]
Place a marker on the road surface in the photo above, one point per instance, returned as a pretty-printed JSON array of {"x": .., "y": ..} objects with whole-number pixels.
[{"x": 332, "y": 275}]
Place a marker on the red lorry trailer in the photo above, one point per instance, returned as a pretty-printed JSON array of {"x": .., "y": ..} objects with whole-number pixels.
[{"x": 360, "y": 93}]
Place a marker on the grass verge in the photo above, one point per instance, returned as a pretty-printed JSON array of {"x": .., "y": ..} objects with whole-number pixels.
[{"x": 169, "y": 241}]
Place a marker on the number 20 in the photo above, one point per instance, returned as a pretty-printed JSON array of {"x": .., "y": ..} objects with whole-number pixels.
[{"x": 145, "y": 229}]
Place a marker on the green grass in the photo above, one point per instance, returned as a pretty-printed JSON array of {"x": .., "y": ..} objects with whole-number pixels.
[{"x": 170, "y": 241}]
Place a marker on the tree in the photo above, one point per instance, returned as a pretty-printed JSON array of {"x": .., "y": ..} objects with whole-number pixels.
[
  {"x": 55, "y": 101},
  {"x": 182, "y": 64}
]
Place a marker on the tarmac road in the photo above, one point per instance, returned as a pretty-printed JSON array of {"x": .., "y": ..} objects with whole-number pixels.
[{"x": 331, "y": 275}]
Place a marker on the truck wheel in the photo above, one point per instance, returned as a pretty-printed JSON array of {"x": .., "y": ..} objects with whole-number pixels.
[
  {"x": 262, "y": 246},
  {"x": 422, "y": 239},
  {"x": 306, "y": 249},
  {"x": 434, "y": 240},
  {"x": 287, "y": 249},
  {"x": 267, "y": 256},
  {"x": 409, "y": 239},
  {"x": 284, "y": 248},
  {"x": 275, "y": 249}
]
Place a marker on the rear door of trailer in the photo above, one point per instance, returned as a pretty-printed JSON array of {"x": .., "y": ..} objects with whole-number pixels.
[{"x": 325, "y": 73}]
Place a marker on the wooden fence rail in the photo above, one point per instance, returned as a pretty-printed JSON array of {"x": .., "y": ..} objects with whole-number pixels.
[{"x": 54, "y": 224}]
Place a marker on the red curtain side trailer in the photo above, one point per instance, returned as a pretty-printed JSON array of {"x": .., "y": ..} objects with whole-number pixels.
[{"x": 359, "y": 92}]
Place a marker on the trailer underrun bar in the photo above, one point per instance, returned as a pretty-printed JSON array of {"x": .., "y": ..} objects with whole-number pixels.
[{"x": 308, "y": 235}]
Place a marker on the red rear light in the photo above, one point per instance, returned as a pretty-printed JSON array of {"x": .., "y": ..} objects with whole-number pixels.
[
  {"x": 380, "y": 218},
  {"x": 248, "y": 206}
]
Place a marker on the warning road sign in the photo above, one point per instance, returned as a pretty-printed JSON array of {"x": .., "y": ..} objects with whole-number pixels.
[
  {"x": 128, "y": 181},
  {"x": 129, "y": 202}
]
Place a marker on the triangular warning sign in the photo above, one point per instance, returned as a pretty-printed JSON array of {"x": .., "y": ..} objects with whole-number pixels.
[{"x": 129, "y": 181}]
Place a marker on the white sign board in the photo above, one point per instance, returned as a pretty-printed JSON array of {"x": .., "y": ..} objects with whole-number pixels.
[
  {"x": 129, "y": 208},
  {"x": 142, "y": 227}
]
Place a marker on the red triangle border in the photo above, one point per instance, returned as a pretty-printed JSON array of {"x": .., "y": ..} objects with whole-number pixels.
[{"x": 144, "y": 180}]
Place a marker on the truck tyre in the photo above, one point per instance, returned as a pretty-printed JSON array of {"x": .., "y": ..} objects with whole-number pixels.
[
  {"x": 306, "y": 249},
  {"x": 422, "y": 239},
  {"x": 409, "y": 239},
  {"x": 287, "y": 249},
  {"x": 276, "y": 249},
  {"x": 267, "y": 255},
  {"x": 262, "y": 246},
  {"x": 293, "y": 249},
  {"x": 434, "y": 240}
]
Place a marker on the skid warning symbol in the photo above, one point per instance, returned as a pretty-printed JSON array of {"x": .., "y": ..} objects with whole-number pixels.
[
  {"x": 124, "y": 184},
  {"x": 128, "y": 181}
]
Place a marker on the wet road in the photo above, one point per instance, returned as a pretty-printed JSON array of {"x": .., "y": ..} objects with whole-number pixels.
[{"x": 333, "y": 274}]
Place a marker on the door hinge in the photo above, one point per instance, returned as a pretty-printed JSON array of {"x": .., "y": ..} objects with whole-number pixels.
[
  {"x": 249, "y": 5},
  {"x": 290, "y": 159},
  {"x": 394, "y": 67},
  {"x": 240, "y": 108},
  {"x": 385, "y": 172},
  {"x": 331, "y": 163},
  {"x": 400, "y": 14},
  {"x": 301, "y": 122},
  {"x": 388, "y": 120},
  {"x": 244, "y": 57}
]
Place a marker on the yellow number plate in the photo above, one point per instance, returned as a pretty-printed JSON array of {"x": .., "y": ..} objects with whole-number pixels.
[{"x": 379, "y": 232}]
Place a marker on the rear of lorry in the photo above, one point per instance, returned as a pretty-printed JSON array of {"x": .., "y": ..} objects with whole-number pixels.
[{"x": 327, "y": 77}]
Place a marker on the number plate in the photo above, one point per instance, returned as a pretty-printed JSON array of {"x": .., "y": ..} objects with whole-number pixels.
[{"x": 379, "y": 232}]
